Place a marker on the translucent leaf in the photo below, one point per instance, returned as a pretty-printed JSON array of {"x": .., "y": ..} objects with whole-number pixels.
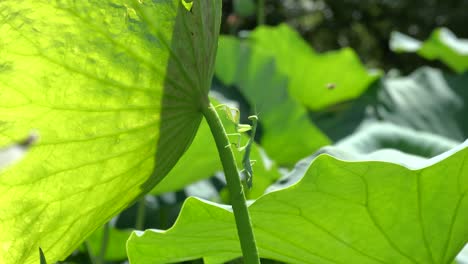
[
  {"x": 311, "y": 74},
  {"x": 361, "y": 212},
  {"x": 114, "y": 89}
]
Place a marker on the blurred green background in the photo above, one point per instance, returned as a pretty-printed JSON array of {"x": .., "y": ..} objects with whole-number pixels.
[{"x": 364, "y": 25}]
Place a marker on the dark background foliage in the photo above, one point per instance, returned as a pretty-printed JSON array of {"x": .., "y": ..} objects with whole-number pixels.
[{"x": 364, "y": 25}]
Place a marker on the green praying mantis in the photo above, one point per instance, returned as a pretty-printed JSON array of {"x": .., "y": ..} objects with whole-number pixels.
[{"x": 233, "y": 114}]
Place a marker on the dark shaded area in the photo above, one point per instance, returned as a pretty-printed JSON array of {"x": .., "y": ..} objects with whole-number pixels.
[
  {"x": 458, "y": 84},
  {"x": 364, "y": 25},
  {"x": 160, "y": 211},
  {"x": 178, "y": 125}
]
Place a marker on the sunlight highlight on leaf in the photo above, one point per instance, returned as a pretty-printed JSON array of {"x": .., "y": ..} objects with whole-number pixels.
[
  {"x": 114, "y": 89},
  {"x": 442, "y": 45}
]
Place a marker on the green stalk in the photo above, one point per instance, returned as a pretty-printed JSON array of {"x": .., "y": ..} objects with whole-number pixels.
[
  {"x": 101, "y": 259},
  {"x": 141, "y": 214},
  {"x": 239, "y": 205},
  {"x": 91, "y": 256},
  {"x": 260, "y": 12}
]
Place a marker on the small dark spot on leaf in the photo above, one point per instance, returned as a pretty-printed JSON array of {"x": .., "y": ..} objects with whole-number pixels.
[{"x": 31, "y": 139}]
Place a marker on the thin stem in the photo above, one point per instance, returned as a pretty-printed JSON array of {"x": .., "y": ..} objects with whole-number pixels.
[
  {"x": 104, "y": 241},
  {"x": 260, "y": 12},
  {"x": 42, "y": 257},
  {"x": 239, "y": 205},
  {"x": 92, "y": 259},
  {"x": 141, "y": 214},
  {"x": 163, "y": 215}
]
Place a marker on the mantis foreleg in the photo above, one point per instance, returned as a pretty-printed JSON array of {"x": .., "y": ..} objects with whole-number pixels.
[{"x": 246, "y": 162}]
